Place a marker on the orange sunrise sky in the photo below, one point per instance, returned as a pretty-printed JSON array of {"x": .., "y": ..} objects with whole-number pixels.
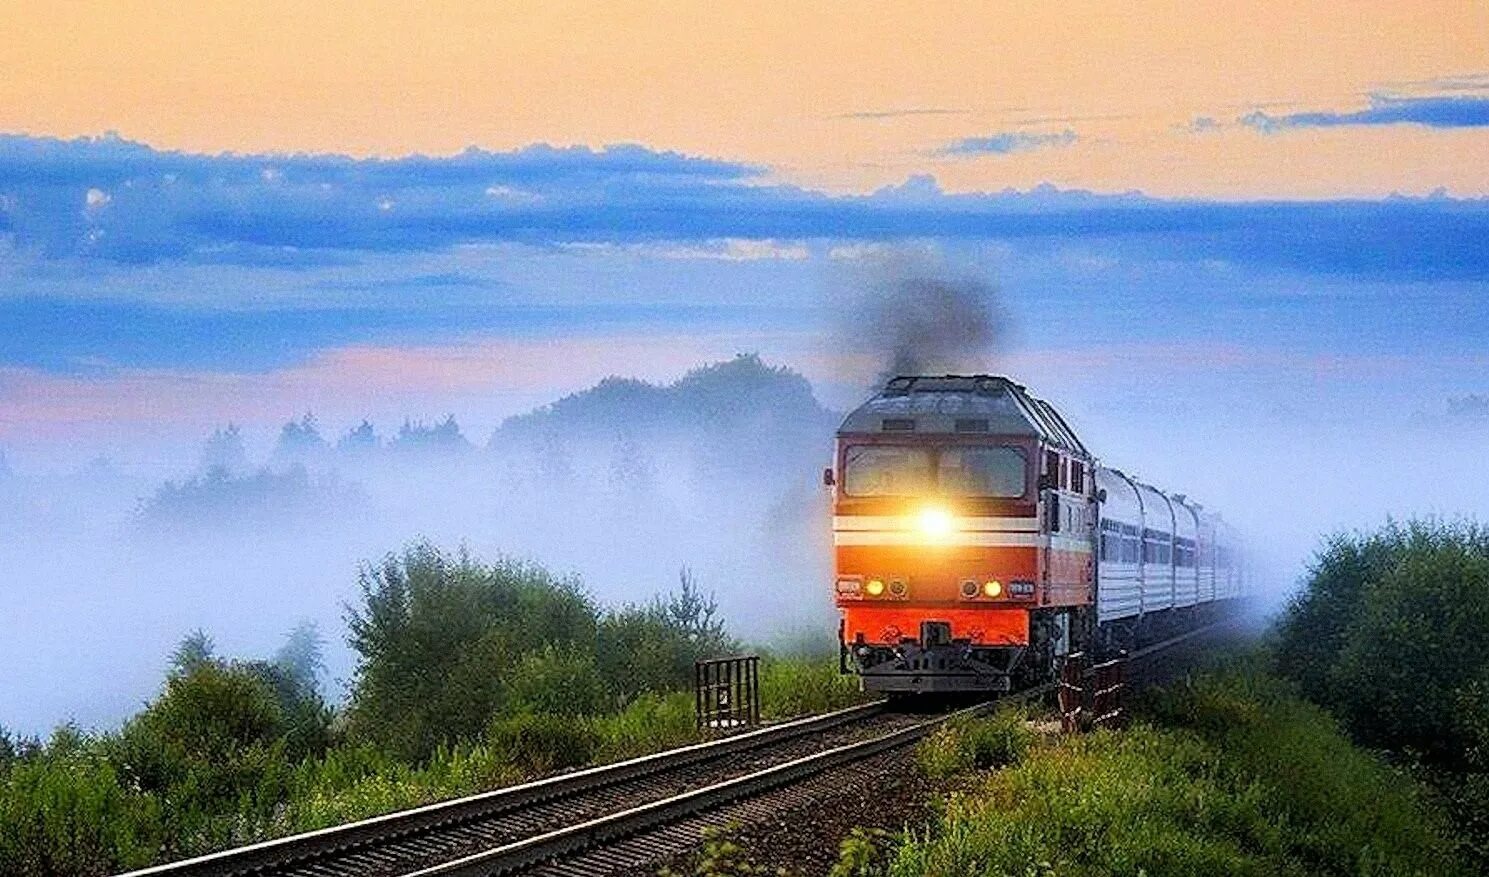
[{"x": 838, "y": 96}]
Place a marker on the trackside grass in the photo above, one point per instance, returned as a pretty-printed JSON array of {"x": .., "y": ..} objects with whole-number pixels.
[
  {"x": 796, "y": 686},
  {"x": 1228, "y": 773}
]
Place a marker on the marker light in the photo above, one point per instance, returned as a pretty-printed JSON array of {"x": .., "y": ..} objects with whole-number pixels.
[
  {"x": 936, "y": 522},
  {"x": 992, "y": 588},
  {"x": 874, "y": 587},
  {"x": 898, "y": 588}
]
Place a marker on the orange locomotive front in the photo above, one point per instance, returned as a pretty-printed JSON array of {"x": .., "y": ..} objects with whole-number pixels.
[{"x": 962, "y": 532}]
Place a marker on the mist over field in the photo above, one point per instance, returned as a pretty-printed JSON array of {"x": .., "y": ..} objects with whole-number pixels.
[
  {"x": 622, "y": 484},
  {"x": 1301, "y": 367}
]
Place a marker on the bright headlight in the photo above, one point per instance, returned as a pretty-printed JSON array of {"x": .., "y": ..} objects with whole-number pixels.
[
  {"x": 992, "y": 587},
  {"x": 936, "y": 522},
  {"x": 874, "y": 587}
]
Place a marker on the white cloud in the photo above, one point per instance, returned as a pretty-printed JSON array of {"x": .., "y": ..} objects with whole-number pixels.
[
  {"x": 718, "y": 249},
  {"x": 96, "y": 199},
  {"x": 857, "y": 252},
  {"x": 509, "y": 195}
]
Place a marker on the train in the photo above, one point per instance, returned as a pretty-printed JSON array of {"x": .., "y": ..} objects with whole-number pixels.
[{"x": 977, "y": 542}]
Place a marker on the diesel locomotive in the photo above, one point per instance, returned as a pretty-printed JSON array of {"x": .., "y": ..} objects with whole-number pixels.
[{"x": 977, "y": 541}]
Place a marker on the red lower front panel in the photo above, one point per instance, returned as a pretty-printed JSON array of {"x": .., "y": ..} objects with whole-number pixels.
[
  {"x": 935, "y": 573},
  {"x": 886, "y": 623}
]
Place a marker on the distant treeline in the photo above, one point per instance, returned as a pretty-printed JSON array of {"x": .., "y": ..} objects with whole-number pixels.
[{"x": 738, "y": 419}]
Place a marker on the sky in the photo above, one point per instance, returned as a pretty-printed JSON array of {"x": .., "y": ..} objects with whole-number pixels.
[
  {"x": 1244, "y": 248},
  {"x": 243, "y": 211},
  {"x": 240, "y": 211}
]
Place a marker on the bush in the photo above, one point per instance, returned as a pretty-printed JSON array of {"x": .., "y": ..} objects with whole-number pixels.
[
  {"x": 653, "y": 647},
  {"x": 795, "y": 686},
  {"x": 647, "y": 724},
  {"x": 559, "y": 681},
  {"x": 64, "y": 810},
  {"x": 1392, "y": 633},
  {"x": 538, "y": 743},
  {"x": 471, "y": 676},
  {"x": 437, "y": 637},
  {"x": 860, "y": 853},
  {"x": 213, "y": 748},
  {"x": 356, "y": 782}
]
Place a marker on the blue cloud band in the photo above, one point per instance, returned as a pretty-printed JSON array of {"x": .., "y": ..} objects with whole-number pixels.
[
  {"x": 1009, "y": 142},
  {"x": 112, "y": 200},
  {"x": 1439, "y": 111}
]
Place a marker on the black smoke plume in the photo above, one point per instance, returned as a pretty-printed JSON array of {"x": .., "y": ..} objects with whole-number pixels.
[{"x": 917, "y": 315}]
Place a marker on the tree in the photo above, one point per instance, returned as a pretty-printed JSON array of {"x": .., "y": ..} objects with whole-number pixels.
[
  {"x": 224, "y": 451},
  {"x": 194, "y": 650},
  {"x": 632, "y": 473},
  {"x": 653, "y": 647},
  {"x": 302, "y": 657},
  {"x": 360, "y": 440},
  {"x": 444, "y": 438},
  {"x": 439, "y": 638},
  {"x": 300, "y": 442},
  {"x": 213, "y": 745},
  {"x": 1391, "y": 632}
]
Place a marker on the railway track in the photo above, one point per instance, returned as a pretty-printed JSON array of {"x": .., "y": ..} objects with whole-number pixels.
[{"x": 604, "y": 819}]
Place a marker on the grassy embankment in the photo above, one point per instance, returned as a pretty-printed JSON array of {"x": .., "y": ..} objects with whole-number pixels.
[
  {"x": 1231, "y": 773},
  {"x": 471, "y": 676}
]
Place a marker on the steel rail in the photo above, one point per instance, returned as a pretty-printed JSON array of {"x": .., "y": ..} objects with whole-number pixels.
[
  {"x": 574, "y": 838},
  {"x": 297, "y": 848}
]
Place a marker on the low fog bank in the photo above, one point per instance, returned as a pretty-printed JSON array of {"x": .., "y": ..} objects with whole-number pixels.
[
  {"x": 1289, "y": 477},
  {"x": 622, "y": 484}
]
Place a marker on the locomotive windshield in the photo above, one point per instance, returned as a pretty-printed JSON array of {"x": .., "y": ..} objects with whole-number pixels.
[
  {"x": 996, "y": 472},
  {"x": 887, "y": 470},
  {"x": 999, "y": 472}
]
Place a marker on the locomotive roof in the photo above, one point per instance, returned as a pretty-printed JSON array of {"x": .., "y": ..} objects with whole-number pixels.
[{"x": 964, "y": 404}]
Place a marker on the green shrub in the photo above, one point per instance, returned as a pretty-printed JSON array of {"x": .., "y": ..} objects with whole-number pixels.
[
  {"x": 538, "y": 743},
  {"x": 64, "y": 810},
  {"x": 447, "y": 643},
  {"x": 359, "y": 782},
  {"x": 437, "y": 636},
  {"x": 649, "y": 723},
  {"x": 795, "y": 686},
  {"x": 560, "y": 681},
  {"x": 471, "y": 676},
  {"x": 1391, "y": 632},
  {"x": 212, "y": 748},
  {"x": 860, "y": 853},
  {"x": 653, "y": 647}
]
